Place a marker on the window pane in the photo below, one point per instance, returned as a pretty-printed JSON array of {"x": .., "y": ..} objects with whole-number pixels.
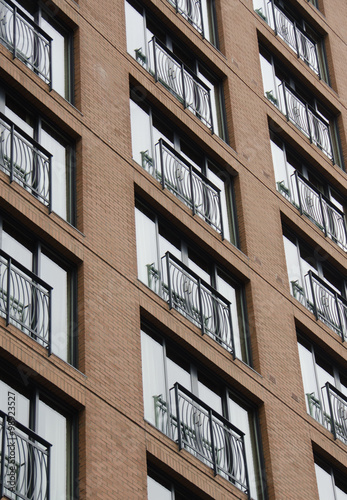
[
  {"x": 292, "y": 260},
  {"x": 17, "y": 250},
  {"x": 14, "y": 403},
  {"x": 153, "y": 378},
  {"x": 59, "y": 58},
  {"x": 208, "y": 20},
  {"x": 135, "y": 32},
  {"x": 324, "y": 483},
  {"x": 140, "y": 136},
  {"x": 59, "y": 171},
  {"x": 147, "y": 260},
  {"x": 52, "y": 426},
  {"x": 210, "y": 394},
  {"x": 57, "y": 277},
  {"x": 279, "y": 164},
  {"x": 215, "y": 97},
  {"x": 308, "y": 374},
  {"x": 268, "y": 77},
  {"x": 157, "y": 491}
]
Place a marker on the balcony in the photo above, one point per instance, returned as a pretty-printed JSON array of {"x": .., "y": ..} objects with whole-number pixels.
[
  {"x": 26, "y": 40},
  {"x": 25, "y": 300},
  {"x": 305, "y": 118},
  {"x": 190, "y": 186},
  {"x": 24, "y": 462},
  {"x": 326, "y": 304},
  {"x": 317, "y": 207},
  {"x": 25, "y": 161},
  {"x": 179, "y": 80},
  {"x": 191, "y": 10},
  {"x": 292, "y": 35},
  {"x": 195, "y": 299},
  {"x": 207, "y": 435},
  {"x": 334, "y": 417}
]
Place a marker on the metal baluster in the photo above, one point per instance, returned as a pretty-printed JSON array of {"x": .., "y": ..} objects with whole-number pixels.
[
  {"x": 11, "y": 152},
  {"x": 162, "y": 163},
  {"x": 200, "y": 305},
  {"x": 9, "y": 270},
  {"x": 50, "y": 190},
  {"x": 155, "y": 59},
  {"x": 167, "y": 258},
  {"x": 50, "y": 66},
  {"x": 49, "y": 322},
  {"x": 183, "y": 87},
  {"x": 192, "y": 188},
  {"x": 14, "y": 31}
]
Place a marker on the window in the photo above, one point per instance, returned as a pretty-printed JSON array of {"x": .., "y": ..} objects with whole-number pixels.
[
  {"x": 296, "y": 33},
  {"x": 27, "y": 472},
  {"x": 201, "y": 15},
  {"x": 300, "y": 107},
  {"x": 172, "y": 267},
  {"x": 42, "y": 159},
  {"x": 309, "y": 192},
  {"x": 41, "y": 293},
  {"x": 331, "y": 482},
  {"x": 42, "y": 42},
  {"x": 325, "y": 389},
  {"x": 160, "y": 487},
  {"x": 176, "y": 68},
  {"x": 316, "y": 284},
  {"x": 183, "y": 169},
  {"x": 163, "y": 367}
]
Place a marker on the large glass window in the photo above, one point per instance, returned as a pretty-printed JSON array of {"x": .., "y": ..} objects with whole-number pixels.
[
  {"x": 32, "y": 44},
  {"x": 163, "y": 366},
  {"x": 26, "y": 463},
  {"x": 154, "y": 238},
  {"x": 175, "y": 67},
  {"x": 159, "y": 148},
  {"x": 331, "y": 483},
  {"x": 309, "y": 192},
  {"x": 318, "y": 370},
  {"x": 32, "y": 302},
  {"x": 300, "y": 107},
  {"x": 49, "y": 173}
]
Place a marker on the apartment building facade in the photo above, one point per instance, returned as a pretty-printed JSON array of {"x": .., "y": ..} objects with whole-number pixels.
[{"x": 173, "y": 285}]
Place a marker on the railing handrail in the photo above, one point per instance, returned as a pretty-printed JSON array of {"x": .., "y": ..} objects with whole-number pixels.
[
  {"x": 189, "y": 165},
  {"x": 28, "y": 20},
  {"x": 25, "y": 429},
  {"x": 26, "y": 136},
  {"x": 201, "y": 403},
  {"x": 209, "y": 287},
  {"x": 320, "y": 280},
  {"x": 319, "y": 193},
  {"x": 340, "y": 394},
  {"x": 26, "y": 271},
  {"x": 181, "y": 63}
]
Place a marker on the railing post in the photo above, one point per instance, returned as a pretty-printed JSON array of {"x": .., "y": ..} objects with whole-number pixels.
[
  {"x": 323, "y": 216},
  {"x": 11, "y": 152},
  {"x": 210, "y": 107},
  {"x": 221, "y": 216},
  {"x": 14, "y": 31},
  {"x": 317, "y": 59},
  {"x": 339, "y": 315},
  {"x": 9, "y": 270},
  {"x": 202, "y": 20},
  {"x": 192, "y": 188},
  {"x": 296, "y": 40},
  {"x": 308, "y": 123},
  {"x": 176, "y": 5},
  {"x": 167, "y": 259},
  {"x": 313, "y": 295},
  {"x": 333, "y": 429},
  {"x": 50, "y": 190},
  {"x": 155, "y": 59},
  {"x": 245, "y": 464},
  {"x": 3, "y": 448},
  {"x": 214, "y": 458},
  {"x": 331, "y": 144},
  {"x": 179, "y": 436},
  {"x": 285, "y": 100},
  {"x": 183, "y": 87},
  {"x": 49, "y": 322},
  {"x": 274, "y": 16},
  {"x": 231, "y": 331},
  {"x": 50, "y": 66},
  {"x": 48, "y": 472},
  {"x": 161, "y": 156},
  {"x": 200, "y": 306},
  {"x": 298, "y": 190}
]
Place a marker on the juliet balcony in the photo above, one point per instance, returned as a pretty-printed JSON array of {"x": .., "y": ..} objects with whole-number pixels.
[
  {"x": 25, "y": 161},
  {"x": 189, "y": 185},
  {"x": 292, "y": 34},
  {"x": 207, "y": 435},
  {"x": 191, "y": 10},
  {"x": 26, "y": 40},
  {"x": 25, "y": 300},
  {"x": 324, "y": 301},
  {"x": 330, "y": 411},
  {"x": 195, "y": 299},
  {"x": 304, "y": 117},
  {"x": 317, "y": 207},
  {"x": 174, "y": 75},
  {"x": 24, "y": 462}
]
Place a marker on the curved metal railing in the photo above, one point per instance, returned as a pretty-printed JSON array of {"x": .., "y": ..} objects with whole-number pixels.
[
  {"x": 208, "y": 436},
  {"x": 180, "y": 81},
  {"x": 24, "y": 462},
  {"x": 337, "y": 408},
  {"x": 27, "y": 41},
  {"x": 196, "y": 191},
  {"x": 319, "y": 209},
  {"x": 191, "y": 10},
  {"x": 25, "y": 161},
  {"x": 197, "y": 300},
  {"x": 326, "y": 304},
  {"x": 306, "y": 119},
  {"x": 25, "y": 300},
  {"x": 295, "y": 38}
]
